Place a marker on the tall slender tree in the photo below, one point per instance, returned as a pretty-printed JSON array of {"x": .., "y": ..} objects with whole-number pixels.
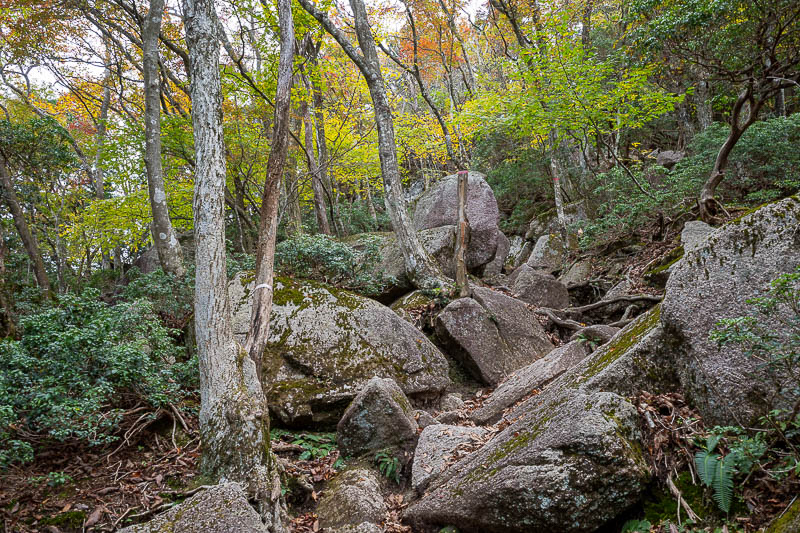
[
  {"x": 165, "y": 240},
  {"x": 422, "y": 270},
  {"x": 234, "y": 418}
]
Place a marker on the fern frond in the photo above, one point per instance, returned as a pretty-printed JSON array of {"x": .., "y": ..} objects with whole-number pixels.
[
  {"x": 706, "y": 463},
  {"x": 723, "y": 483}
]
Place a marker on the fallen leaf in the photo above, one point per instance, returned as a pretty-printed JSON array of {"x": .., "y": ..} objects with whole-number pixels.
[{"x": 95, "y": 517}]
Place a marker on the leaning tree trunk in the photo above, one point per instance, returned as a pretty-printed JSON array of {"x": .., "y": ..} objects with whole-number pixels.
[
  {"x": 170, "y": 254},
  {"x": 234, "y": 419},
  {"x": 28, "y": 238},
  {"x": 422, "y": 270},
  {"x": 706, "y": 202},
  {"x": 258, "y": 334}
]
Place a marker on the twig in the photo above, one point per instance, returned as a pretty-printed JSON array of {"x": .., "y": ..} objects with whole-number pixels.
[{"x": 677, "y": 493}]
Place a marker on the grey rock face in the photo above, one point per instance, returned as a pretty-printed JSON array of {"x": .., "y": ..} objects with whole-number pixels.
[
  {"x": 379, "y": 417},
  {"x": 547, "y": 254},
  {"x": 539, "y": 289},
  {"x": 326, "y": 343},
  {"x": 452, "y": 402},
  {"x": 436, "y": 449},
  {"x": 525, "y": 380},
  {"x": 714, "y": 281},
  {"x": 694, "y": 234},
  {"x": 423, "y": 418},
  {"x": 570, "y": 465},
  {"x": 577, "y": 273},
  {"x": 669, "y": 158},
  {"x": 352, "y": 501},
  {"x": 220, "y": 509},
  {"x": 438, "y": 207},
  {"x": 516, "y": 243},
  {"x": 493, "y": 334},
  {"x": 524, "y": 254},
  {"x": 495, "y": 266}
]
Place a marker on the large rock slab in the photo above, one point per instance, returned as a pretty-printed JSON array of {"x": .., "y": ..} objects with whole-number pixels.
[
  {"x": 220, "y": 509},
  {"x": 547, "y": 253},
  {"x": 379, "y": 417},
  {"x": 539, "y": 288},
  {"x": 326, "y": 343},
  {"x": 439, "y": 207},
  {"x": 526, "y": 380},
  {"x": 568, "y": 465},
  {"x": 492, "y": 334},
  {"x": 352, "y": 498},
  {"x": 714, "y": 281},
  {"x": 438, "y": 445}
]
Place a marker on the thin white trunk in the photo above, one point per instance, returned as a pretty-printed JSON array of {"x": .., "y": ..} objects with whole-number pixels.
[
  {"x": 170, "y": 254},
  {"x": 234, "y": 419}
]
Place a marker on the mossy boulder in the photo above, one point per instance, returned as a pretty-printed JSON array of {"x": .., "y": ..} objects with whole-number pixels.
[
  {"x": 439, "y": 242},
  {"x": 548, "y": 253},
  {"x": 220, "y": 509},
  {"x": 407, "y": 306},
  {"x": 568, "y": 466},
  {"x": 714, "y": 281},
  {"x": 326, "y": 343},
  {"x": 788, "y": 522}
]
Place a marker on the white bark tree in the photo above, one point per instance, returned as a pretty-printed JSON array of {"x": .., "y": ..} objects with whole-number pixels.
[
  {"x": 422, "y": 270},
  {"x": 234, "y": 419},
  {"x": 165, "y": 240}
]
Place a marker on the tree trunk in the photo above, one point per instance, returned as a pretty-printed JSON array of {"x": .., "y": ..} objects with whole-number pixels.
[
  {"x": 25, "y": 234},
  {"x": 706, "y": 201},
  {"x": 258, "y": 334},
  {"x": 100, "y": 139},
  {"x": 422, "y": 270},
  {"x": 370, "y": 204},
  {"x": 234, "y": 418},
  {"x": 703, "y": 103},
  {"x": 170, "y": 254},
  {"x": 462, "y": 235},
  {"x": 313, "y": 167}
]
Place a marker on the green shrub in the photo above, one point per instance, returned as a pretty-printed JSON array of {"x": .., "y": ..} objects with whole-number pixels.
[
  {"x": 172, "y": 298},
  {"x": 324, "y": 258},
  {"x": 78, "y": 366}
]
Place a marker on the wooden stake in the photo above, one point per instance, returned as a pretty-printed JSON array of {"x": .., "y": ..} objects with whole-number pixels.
[{"x": 462, "y": 235}]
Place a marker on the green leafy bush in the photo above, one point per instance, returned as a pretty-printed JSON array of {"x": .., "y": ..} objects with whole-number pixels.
[
  {"x": 78, "y": 366},
  {"x": 324, "y": 258},
  {"x": 172, "y": 298},
  {"x": 764, "y": 166}
]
